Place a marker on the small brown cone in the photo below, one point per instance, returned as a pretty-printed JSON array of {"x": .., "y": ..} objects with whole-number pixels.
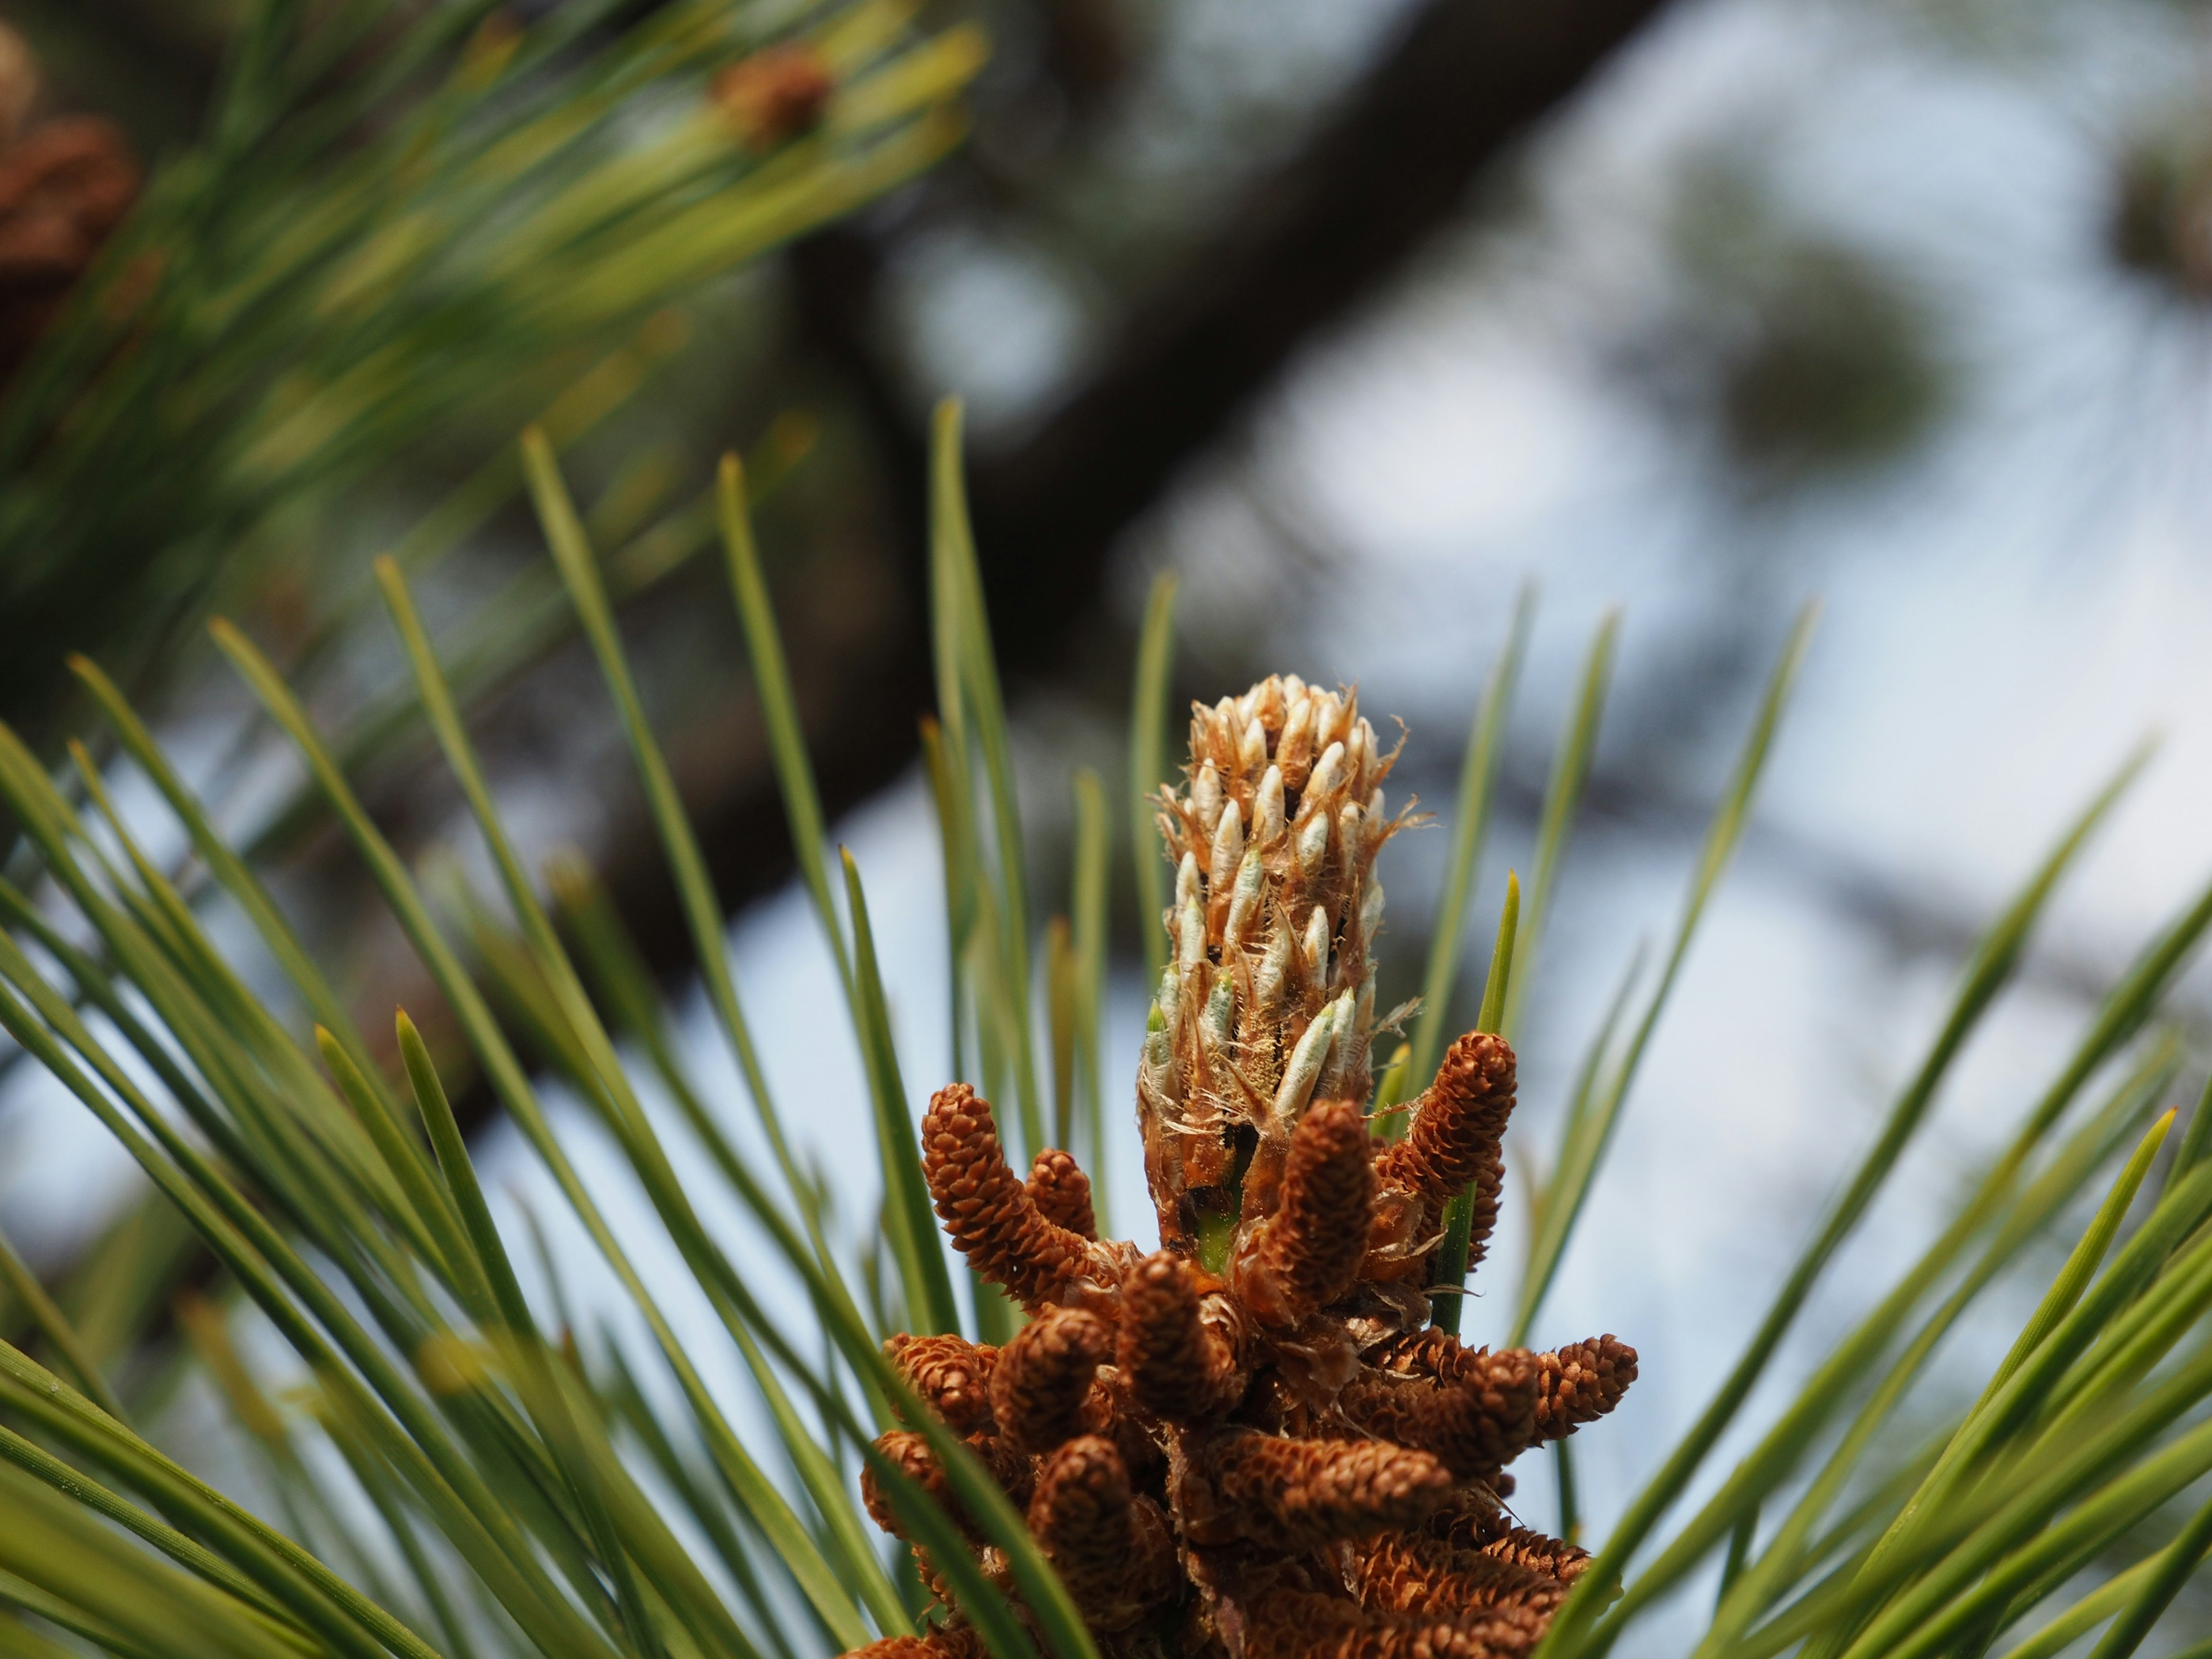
[
  {"x": 1411, "y": 1573},
  {"x": 988, "y": 1214},
  {"x": 1581, "y": 1383},
  {"x": 1471, "y": 1526},
  {"x": 1306, "y": 1253},
  {"x": 941, "y": 1643},
  {"x": 1178, "y": 1367},
  {"x": 1115, "y": 1552},
  {"x": 952, "y": 1374},
  {"x": 1476, "y": 1423},
  {"x": 1300, "y": 1625},
  {"x": 1061, "y": 1192},
  {"x": 1298, "y": 1494},
  {"x": 1080, "y": 1515},
  {"x": 1527, "y": 1547},
  {"x": 909, "y": 1452},
  {"x": 1459, "y": 1125},
  {"x": 1044, "y": 1377}
]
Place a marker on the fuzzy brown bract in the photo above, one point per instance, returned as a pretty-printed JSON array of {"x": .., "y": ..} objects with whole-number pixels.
[{"x": 1252, "y": 1442}]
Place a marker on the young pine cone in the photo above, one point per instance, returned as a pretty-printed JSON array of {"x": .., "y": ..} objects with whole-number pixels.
[{"x": 1251, "y": 1441}]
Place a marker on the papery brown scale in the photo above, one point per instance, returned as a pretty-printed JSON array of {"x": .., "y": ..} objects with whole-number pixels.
[
  {"x": 986, "y": 1211},
  {"x": 1396, "y": 1248},
  {"x": 1061, "y": 1193},
  {"x": 1178, "y": 1367},
  {"x": 952, "y": 1374},
  {"x": 1205, "y": 1156},
  {"x": 1044, "y": 1377}
]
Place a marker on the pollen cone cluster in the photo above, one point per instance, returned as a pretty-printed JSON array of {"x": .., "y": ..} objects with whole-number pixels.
[{"x": 1250, "y": 1443}]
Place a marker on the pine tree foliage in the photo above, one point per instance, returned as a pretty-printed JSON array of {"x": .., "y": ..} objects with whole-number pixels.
[
  {"x": 517, "y": 1481},
  {"x": 401, "y": 215}
]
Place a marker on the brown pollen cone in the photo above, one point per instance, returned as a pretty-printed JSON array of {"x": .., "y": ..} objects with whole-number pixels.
[
  {"x": 952, "y": 1374},
  {"x": 1061, "y": 1192},
  {"x": 1044, "y": 1375},
  {"x": 1581, "y": 1383},
  {"x": 1179, "y": 1368},
  {"x": 949, "y": 1641},
  {"x": 1488, "y": 1529},
  {"x": 1410, "y": 1573},
  {"x": 1299, "y": 1625},
  {"x": 1476, "y": 1423},
  {"x": 1305, "y": 1255},
  {"x": 986, "y": 1210},
  {"x": 1525, "y": 1547},
  {"x": 1457, "y": 1137},
  {"x": 1112, "y": 1549},
  {"x": 907, "y": 1451},
  {"x": 1297, "y": 1494}
]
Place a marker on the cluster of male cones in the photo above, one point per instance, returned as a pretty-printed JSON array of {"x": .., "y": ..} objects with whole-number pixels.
[{"x": 1252, "y": 1444}]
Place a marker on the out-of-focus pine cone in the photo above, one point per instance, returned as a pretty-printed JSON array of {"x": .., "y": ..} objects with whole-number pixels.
[
  {"x": 64, "y": 187},
  {"x": 776, "y": 95}
]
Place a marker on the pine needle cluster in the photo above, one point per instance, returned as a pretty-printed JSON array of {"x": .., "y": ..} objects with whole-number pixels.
[
  {"x": 400, "y": 219},
  {"x": 1262, "y": 1440}
]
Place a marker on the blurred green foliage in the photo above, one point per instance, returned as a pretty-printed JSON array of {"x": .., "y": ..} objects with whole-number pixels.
[{"x": 398, "y": 220}]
